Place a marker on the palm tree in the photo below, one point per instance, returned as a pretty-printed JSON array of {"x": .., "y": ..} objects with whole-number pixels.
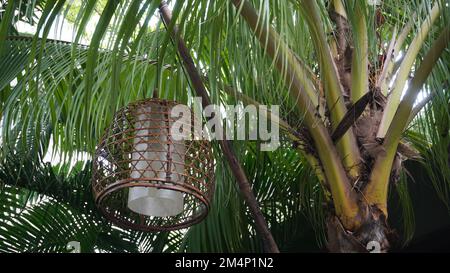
[{"x": 362, "y": 87}]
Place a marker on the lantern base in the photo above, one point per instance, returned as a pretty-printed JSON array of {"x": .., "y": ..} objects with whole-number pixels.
[{"x": 151, "y": 201}]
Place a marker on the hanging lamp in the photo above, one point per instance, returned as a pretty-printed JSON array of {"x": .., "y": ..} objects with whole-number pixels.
[
  {"x": 149, "y": 177},
  {"x": 144, "y": 178}
]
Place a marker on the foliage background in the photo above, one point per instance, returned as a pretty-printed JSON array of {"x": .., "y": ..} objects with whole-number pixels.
[{"x": 52, "y": 94}]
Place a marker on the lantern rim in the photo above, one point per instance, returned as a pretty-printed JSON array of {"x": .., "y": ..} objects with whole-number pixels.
[{"x": 128, "y": 183}]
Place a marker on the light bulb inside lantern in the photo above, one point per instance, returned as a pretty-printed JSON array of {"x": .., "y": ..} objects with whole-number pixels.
[{"x": 150, "y": 158}]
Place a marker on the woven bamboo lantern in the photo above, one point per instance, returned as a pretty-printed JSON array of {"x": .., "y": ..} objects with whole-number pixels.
[{"x": 146, "y": 178}]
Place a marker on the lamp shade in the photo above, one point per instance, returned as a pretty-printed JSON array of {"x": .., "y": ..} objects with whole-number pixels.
[
  {"x": 150, "y": 148},
  {"x": 149, "y": 177}
]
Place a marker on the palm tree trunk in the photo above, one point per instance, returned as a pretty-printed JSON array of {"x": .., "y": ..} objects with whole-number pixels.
[{"x": 374, "y": 235}]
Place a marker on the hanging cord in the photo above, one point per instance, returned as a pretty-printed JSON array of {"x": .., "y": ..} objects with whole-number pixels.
[
  {"x": 158, "y": 67},
  {"x": 166, "y": 115},
  {"x": 177, "y": 54}
]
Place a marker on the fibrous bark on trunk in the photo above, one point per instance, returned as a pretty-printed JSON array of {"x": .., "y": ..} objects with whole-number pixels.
[{"x": 374, "y": 235}]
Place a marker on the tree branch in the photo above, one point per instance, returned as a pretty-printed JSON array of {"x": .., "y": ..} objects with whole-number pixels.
[
  {"x": 237, "y": 170},
  {"x": 404, "y": 70},
  {"x": 344, "y": 197},
  {"x": 377, "y": 189},
  {"x": 387, "y": 65},
  {"x": 347, "y": 146},
  {"x": 360, "y": 63},
  {"x": 390, "y": 67}
]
